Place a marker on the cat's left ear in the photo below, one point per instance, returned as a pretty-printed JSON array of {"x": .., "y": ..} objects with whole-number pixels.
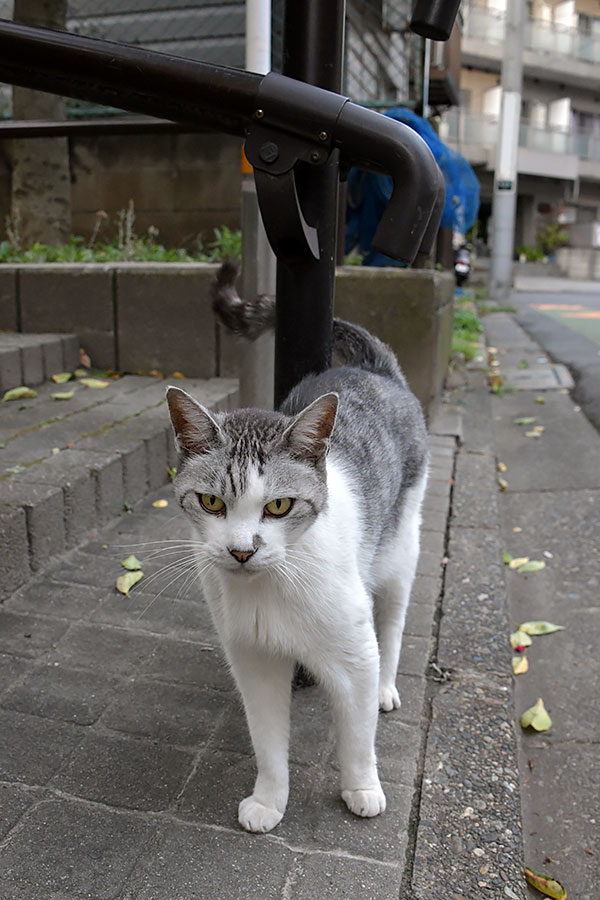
[
  {"x": 195, "y": 429},
  {"x": 308, "y": 435}
]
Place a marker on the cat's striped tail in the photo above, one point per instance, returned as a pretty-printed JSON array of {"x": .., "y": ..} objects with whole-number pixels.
[{"x": 355, "y": 346}]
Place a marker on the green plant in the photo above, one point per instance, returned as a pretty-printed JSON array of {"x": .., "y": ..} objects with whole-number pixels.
[
  {"x": 125, "y": 246},
  {"x": 466, "y": 332},
  {"x": 551, "y": 237},
  {"x": 531, "y": 254}
]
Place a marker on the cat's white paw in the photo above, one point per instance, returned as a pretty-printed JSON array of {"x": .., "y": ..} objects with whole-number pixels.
[
  {"x": 389, "y": 698},
  {"x": 255, "y": 816},
  {"x": 366, "y": 803}
]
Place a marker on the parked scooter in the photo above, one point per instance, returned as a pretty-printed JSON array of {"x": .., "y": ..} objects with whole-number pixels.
[{"x": 462, "y": 264}]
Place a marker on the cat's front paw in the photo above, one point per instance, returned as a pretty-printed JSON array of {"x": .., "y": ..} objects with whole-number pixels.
[
  {"x": 365, "y": 803},
  {"x": 255, "y": 816},
  {"x": 389, "y": 698}
]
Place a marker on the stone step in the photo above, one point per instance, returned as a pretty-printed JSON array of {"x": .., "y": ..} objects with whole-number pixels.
[
  {"x": 30, "y": 359},
  {"x": 69, "y": 466}
]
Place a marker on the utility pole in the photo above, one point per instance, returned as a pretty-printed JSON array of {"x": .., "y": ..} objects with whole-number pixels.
[
  {"x": 504, "y": 204},
  {"x": 256, "y": 360}
]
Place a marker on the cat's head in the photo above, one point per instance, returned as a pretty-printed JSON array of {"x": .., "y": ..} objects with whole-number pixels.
[{"x": 252, "y": 482}]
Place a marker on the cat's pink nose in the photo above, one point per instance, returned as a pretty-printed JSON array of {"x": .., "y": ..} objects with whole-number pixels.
[{"x": 242, "y": 555}]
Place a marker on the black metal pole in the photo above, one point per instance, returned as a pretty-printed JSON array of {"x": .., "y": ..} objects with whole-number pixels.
[{"x": 313, "y": 41}]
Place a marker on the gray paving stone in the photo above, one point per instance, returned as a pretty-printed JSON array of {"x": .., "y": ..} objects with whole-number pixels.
[
  {"x": 8, "y": 300},
  {"x": 178, "y": 714},
  {"x": 474, "y": 500},
  {"x": 425, "y": 589},
  {"x": 80, "y": 301},
  {"x": 15, "y": 799},
  {"x": 33, "y": 749},
  {"x": 70, "y": 471},
  {"x": 382, "y": 838},
  {"x": 12, "y": 668},
  {"x": 113, "y": 650},
  {"x": 478, "y": 430},
  {"x": 78, "y": 848},
  {"x": 53, "y": 357},
  {"x": 420, "y": 619},
  {"x": 14, "y": 550},
  {"x": 11, "y": 372},
  {"x": 185, "y": 861},
  {"x": 475, "y": 625},
  {"x": 32, "y": 365},
  {"x": 160, "y": 614},
  {"x": 327, "y": 876},
  {"x": 470, "y": 811},
  {"x": 83, "y": 568},
  {"x": 414, "y": 655},
  {"x": 57, "y": 692},
  {"x": 429, "y": 564},
  {"x": 27, "y": 635},
  {"x": 570, "y": 818},
  {"x": 542, "y": 378},
  {"x": 546, "y": 463},
  {"x": 502, "y": 331},
  {"x": 184, "y": 662},
  {"x": 213, "y": 793},
  {"x": 67, "y": 601},
  {"x": 44, "y": 512},
  {"x": 398, "y": 749},
  {"x": 123, "y": 772},
  {"x": 146, "y": 343}
]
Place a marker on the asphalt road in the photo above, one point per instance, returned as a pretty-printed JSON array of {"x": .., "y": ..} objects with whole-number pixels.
[{"x": 564, "y": 317}]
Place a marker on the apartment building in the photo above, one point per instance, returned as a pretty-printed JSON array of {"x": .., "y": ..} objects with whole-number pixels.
[{"x": 559, "y": 140}]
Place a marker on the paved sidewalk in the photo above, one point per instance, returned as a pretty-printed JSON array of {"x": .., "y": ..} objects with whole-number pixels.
[
  {"x": 123, "y": 748},
  {"x": 124, "y": 751}
]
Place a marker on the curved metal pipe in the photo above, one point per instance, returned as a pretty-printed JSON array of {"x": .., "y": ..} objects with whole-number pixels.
[
  {"x": 141, "y": 81},
  {"x": 229, "y": 99},
  {"x": 372, "y": 141}
]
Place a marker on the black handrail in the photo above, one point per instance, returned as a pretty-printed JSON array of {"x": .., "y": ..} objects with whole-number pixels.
[{"x": 236, "y": 102}]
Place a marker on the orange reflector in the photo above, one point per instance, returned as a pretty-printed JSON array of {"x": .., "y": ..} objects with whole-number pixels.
[{"x": 247, "y": 169}]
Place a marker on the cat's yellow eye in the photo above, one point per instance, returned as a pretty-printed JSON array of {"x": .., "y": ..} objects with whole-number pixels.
[
  {"x": 211, "y": 503},
  {"x": 279, "y": 507}
]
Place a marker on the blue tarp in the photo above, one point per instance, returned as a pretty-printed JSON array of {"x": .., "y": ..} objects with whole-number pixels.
[{"x": 368, "y": 194}]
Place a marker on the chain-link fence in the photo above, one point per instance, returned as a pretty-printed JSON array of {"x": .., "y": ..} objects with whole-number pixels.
[{"x": 379, "y": 52}]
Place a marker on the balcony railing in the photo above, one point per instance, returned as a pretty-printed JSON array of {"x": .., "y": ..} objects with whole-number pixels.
[
  {"x": 462, "y": 128},
  {"x": 489, "y": 25}
]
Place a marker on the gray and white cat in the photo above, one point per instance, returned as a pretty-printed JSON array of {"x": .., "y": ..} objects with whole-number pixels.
[{"x": 306, "y": 523}]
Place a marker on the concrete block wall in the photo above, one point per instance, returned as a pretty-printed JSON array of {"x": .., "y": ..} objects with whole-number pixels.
[{"x": 138, "y": 317}]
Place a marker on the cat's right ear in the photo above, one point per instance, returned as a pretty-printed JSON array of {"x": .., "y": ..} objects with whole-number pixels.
[{"x": 196, "y": 431}]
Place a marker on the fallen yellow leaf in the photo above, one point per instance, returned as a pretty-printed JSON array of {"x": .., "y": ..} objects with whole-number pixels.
[
  {"x": 126, "y": 582},
  {"x": 61, "y": 377},
  {"x": 518, "y": 561},
  {"x": 502, "y": 467},
  {"x": 81, "y": 373},
  {"x": 502, "y": 484},
  {"x": 520, "y": 639},
  {"x": 533, "y": 434},
  {"x": 178, "y": 375},
  {"x": 131, "y": 563},
  {"x": 65, "y": 395},
  {"x": 19, "y": 393},
  {"x": 536, "y": 628},
  {"x": 532, "y": 565},
  {"x": 160, "y": 504},
  {"x": 546, "y": 885},
  {"x": 536, "y": 717},
  {"x": 95, "y": 382},
  {"x": 520, "y": 665}
]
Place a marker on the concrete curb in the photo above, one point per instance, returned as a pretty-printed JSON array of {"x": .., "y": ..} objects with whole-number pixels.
[
  {"x": 73, "y": 468},
  {"x": 31, "y": 359}
]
